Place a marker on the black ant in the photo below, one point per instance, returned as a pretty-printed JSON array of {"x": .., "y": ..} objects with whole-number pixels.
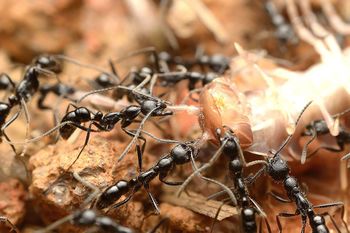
[
  {"x": 193, "y": 77},
  {"x": 284, "y": 31},
  {"x": 249, "y": 208},
  {"x": 58, "y": 89},
  {"x": 319, "y": 127},
  {"x": 217, "y": 62},
  {"x": 6, "y": 82},
  {"x": 180, "y": 154},
  {"x": 148, "y": 107},
  {"x": 89, "y": 217},
  {"x": 277, "y": 168}
]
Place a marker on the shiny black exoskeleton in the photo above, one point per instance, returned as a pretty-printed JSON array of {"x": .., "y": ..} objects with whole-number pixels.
[
  {"x": 6, "y": 82},
  {"x": 48, "y": 62},
  {"x": 89, "y": 218},
  {"x": 58, "y": 89},
  {"x": 179, "y": 155}
]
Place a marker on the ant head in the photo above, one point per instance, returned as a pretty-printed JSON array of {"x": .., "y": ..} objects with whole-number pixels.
[
  {"x": 98, "y": 116},
  {"x": 84, "y": 218},
  {"x": 278, "y": 168},
  {"x": 48, "y": 62},
  {"x": 181, "y": 153},
  {"x": 231, "y": 143}
]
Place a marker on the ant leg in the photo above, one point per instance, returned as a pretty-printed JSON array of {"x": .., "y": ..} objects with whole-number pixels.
[
  {"x": 303, "y": 32},
  {"x": 27, "y": 116},
  {"x": 318, "y": 29},
  {"x": 44, "y": 91},
  {"x": 304, "y": 152},
  {"x": 332, "y": 149},
  {"x": 95, "y": 189},
  {"x": 114, "y": 70},
  {"x": 139, "y": 150},
  {"x": 88, "y": 66},
  {"x": 336, "y": 204},
  {"x": 217, "y": 215},
  {"x": 137, "y": 134},
  {"x": 203, "y": 168},
  {"x": 284, "y": 215},
  {"x": 171, "y": 183},
  {"x": 159, "y": 224},
  {"x": 9, "y": 224},
  {"x": 151, "y": 50},
  {"x": 279, "y": 198},
  {"x": 153, "y": 200},
  {"x": 88, "y": 130},
  {"x": 8, "y": 139},
  {"x": 251, "y": 178},
  {"x": 337, "y": 23},
  {"x": 9, "y": 122},
  {"x": 117, "y": 205},
  {"x": 139, "y": 156},
  {"x": 164, "y": 8},
  {"x": 258, "y": 208}
]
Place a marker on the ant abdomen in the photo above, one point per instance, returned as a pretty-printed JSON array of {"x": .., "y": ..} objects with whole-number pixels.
[
  {"x": 112, "y": 194},
  {"x": 77, "y": 116},
  {"x": 4, "y": 112}
]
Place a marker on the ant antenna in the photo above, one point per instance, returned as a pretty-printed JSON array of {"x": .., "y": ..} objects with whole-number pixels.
[
  {"x": 40, "y": 136},
  {"x": 137, "y": 134},
  {"x": 204, "y": 167},
  {"x": 117, "y": 87},
  {"x": 89, "y": 66},
  {"x": 287, "y": 140}
]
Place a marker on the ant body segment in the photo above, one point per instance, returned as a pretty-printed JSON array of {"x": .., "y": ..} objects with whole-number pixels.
[{"x": 278, "y": 169}]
